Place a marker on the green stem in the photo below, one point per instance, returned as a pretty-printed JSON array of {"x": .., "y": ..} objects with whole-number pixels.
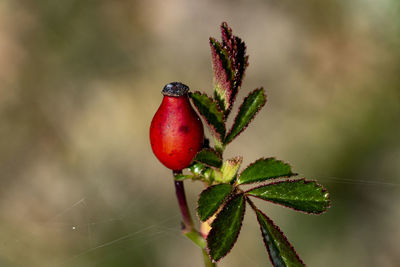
[
  {"x": 207, "y": 260},
  {"x": 188, "y": 228},
  {"x": 219, "y": 146}
]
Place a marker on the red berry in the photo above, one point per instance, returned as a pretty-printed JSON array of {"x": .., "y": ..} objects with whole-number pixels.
[{"x": 176, "y": 132}]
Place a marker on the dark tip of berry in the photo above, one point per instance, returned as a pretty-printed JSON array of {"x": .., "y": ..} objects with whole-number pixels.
[{"x": 175, "y": 89}]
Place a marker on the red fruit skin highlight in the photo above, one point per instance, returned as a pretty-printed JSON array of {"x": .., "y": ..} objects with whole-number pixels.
[{"x": 176, "y": 132}]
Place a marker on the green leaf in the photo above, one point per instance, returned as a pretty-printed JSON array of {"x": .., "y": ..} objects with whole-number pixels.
[
  {"x": 301, "y": 195},
  {"x": 247, "y": 111},
  {"x": 281, "y": 252},
  {"x": 230, "y": 168},
  {"x": 264, "y": 169},
  {"x": 211, "y": 113},
  {"x": 211, "y": 199},
  {"x": 223, "y": 74},
  {"x": 209, "y": 157},
  {"x": 226, "y": 227}
]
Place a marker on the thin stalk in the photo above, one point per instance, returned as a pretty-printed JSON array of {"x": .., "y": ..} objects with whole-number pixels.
[
  {"x": 187, "y": 225},
  {"x": 188, "y": 228}
]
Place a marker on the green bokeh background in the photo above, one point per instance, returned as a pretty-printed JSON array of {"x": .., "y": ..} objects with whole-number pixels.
[{"x": 81, "y": 80}]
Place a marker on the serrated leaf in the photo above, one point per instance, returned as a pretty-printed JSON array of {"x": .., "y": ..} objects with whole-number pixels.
[
  {"x": 301, "y": 195},
  {"x": 236, "y": 50},
  {"x": 223, "y": 74},
  {"x": 264, "y": 169},
  {"x": 226, "y": 227},
  {"x": 211, "y": 199},
  {"x": 209, "y": 157},
  {"x": 247, "y": 111},
  {"x": 229, "y": 64},
  {"x": 211, "y": 113},
  {"x": 230, "y": 168},
  {"x": 281, "y": 252}
]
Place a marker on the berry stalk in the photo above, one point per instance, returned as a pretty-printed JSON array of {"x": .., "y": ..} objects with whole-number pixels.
[{"x": 187, "y": 224}]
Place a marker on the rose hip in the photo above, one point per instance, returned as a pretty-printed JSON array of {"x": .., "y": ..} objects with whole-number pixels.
[{"x": 176, "y": 132}]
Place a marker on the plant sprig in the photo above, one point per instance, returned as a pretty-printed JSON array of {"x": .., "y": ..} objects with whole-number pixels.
[{"x": 223, "y": 203}]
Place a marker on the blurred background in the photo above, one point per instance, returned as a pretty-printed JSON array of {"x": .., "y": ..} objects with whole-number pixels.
[{"x": 81, "y": 80}]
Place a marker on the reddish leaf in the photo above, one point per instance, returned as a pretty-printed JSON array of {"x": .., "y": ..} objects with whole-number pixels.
[
  {"x": 223, "y": 76},
  {"x": 236, "y": 49}
]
